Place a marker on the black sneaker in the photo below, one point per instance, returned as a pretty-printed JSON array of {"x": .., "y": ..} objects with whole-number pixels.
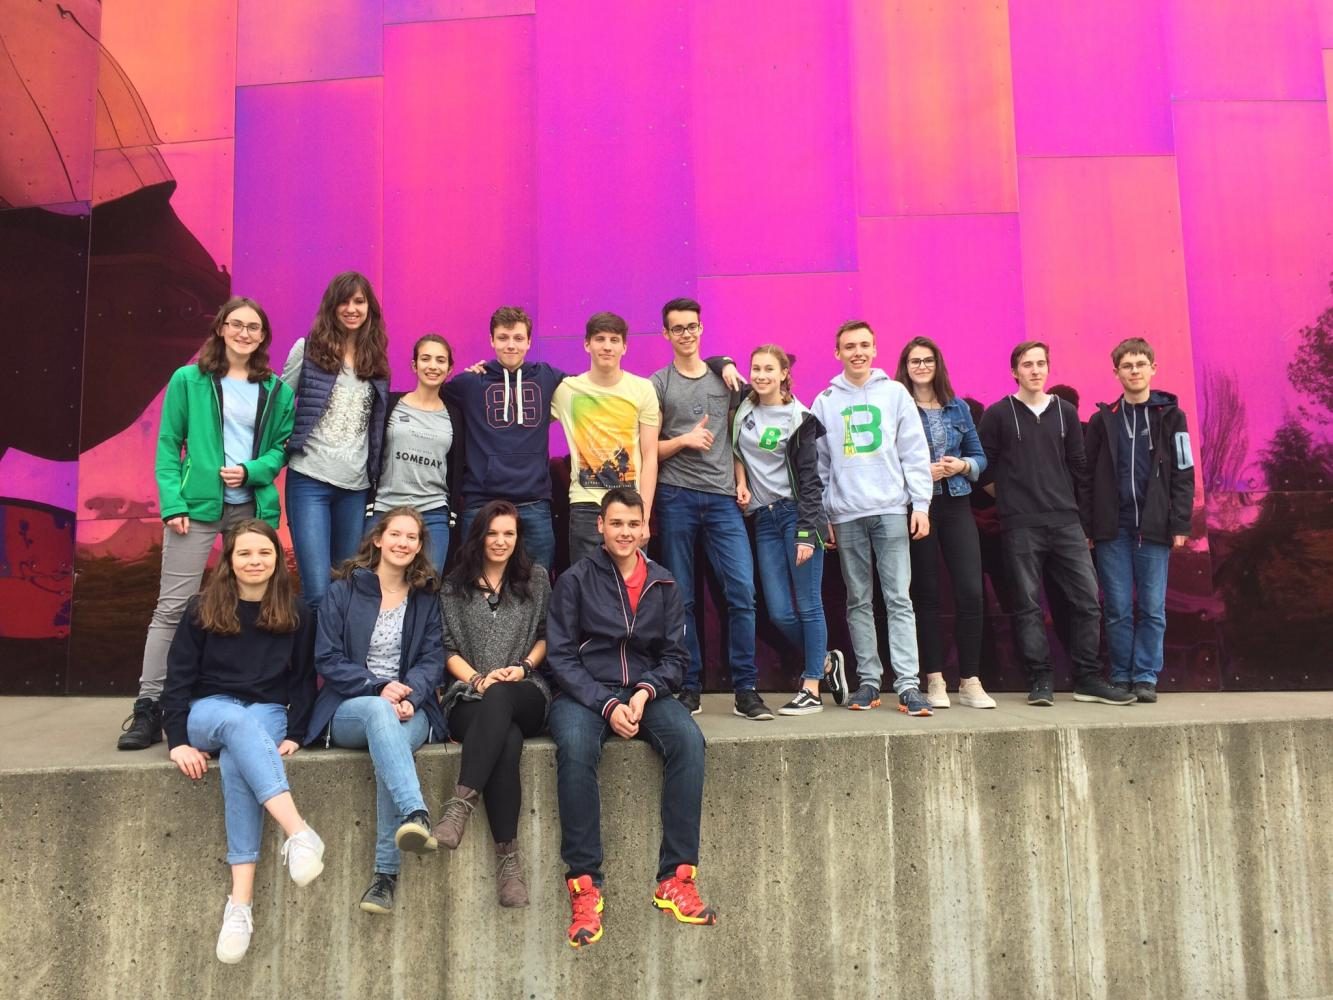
[
  {"x": 1145, "y": 691},
  {"x": 379, "y": 897},
  {"x": 690, "y": 699},
  {"x": 835, "y": 675},
  {"x": 1123, "y": 685},
  {"x": 1040, "y": 693},
  {"x": 143, "y": 728},
  {"x": 414, "y": 834},
  {"x": 1098, "y": 690},
  {"x": 804, "y": 703},
  {"x": 750, "y": 706}
]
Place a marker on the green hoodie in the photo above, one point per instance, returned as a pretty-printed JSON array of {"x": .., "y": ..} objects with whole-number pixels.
[{"x": 189, "y": 447}]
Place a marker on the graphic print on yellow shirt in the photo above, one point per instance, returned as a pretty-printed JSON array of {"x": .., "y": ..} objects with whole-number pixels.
[{"x": 602, "y": 427}]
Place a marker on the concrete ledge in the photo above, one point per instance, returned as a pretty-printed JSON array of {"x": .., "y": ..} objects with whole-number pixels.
[{"x": 1159, "y": 851}]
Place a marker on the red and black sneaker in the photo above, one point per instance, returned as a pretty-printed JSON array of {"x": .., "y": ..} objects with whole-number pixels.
[
  {"x": 585, "y": 904},
  {"x": 679, "y": 896}
]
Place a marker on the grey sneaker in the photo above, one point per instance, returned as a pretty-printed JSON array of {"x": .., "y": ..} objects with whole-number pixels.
[
  {"x": 414, "y": 835},
  {"x": 379, "y": 897},
  {"x": 1097, "y": 690},
  {"x": 864, "y": 698},
  {"x": 913, "y": 702},
  {"x": 1145, "y": 691},
  {"x": 234, "y": 938},
  {"x": 510, "y": 885},
  {"x": 750, "y": 706}
]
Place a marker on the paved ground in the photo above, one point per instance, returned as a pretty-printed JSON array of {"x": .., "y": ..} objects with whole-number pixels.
[{"x": 81, "y": 732}]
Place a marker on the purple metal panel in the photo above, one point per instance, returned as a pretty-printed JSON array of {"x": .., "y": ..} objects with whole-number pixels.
[
  {"x": 1258, "y": 245},
  {"x": 934, "y": 116},
  {"x": 1243, "y": 50},
  {"x": 1102, "y": 261},
  {"x": 460, "y": 180},
  {"x": 302, "y": 40},
  {"x": 954, "y": 279},
  {"x": 615, "y": 215},
  {"x": 308, "y": 193},
  {"x": 402, "y": 11},
  {"x": 1089, "y": 79},
  {"x": 771, "y": 136}
]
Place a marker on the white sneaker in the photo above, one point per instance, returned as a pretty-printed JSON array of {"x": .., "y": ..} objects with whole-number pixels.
[
  {"x": 973, "y": 695},
  {"x": 936, "y": 691},
  {"x": 234, "y": 938},
  {"x": 303, "y": 854}
]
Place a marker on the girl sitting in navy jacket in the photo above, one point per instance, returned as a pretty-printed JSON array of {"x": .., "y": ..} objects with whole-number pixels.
[
  {"x": 239, "y": 680},
  {"x": 380, "y": 651}
]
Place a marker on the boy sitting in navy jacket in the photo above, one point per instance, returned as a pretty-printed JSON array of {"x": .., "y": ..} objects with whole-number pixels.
[{"x": 615, "y": 652}]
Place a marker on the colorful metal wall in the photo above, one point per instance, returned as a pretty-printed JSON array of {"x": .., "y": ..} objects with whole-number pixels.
[{"x": 978, "y": 172}]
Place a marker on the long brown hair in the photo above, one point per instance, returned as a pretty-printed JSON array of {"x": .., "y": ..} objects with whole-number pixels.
[
  {"x": 784, "y": 360},
  {"x": 324, "y": 346},
  {"x": 943, "y": 387},
  {"x": 213, "y": 355},
  {"x": 217, "y": 601},
  {"x": 420, "y": 574}
]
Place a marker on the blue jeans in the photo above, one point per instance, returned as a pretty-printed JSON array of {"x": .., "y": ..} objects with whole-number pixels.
[
  {"x": 437, "y": 528},
  {"x": 886, "y": 537},
  {"x": 370, "y": 722},
  {"x": 579, "y": 733},
  {"x": 793, "y": 594},
  {"x": 244, "y": 736},
  {"x": 682, "y": 514},
  {"x": 1132, "y": 572},
  {"x": 1060, "y": 554},
  {"x": 538, "y": 534},
  {"x": 326, "y": 523}
]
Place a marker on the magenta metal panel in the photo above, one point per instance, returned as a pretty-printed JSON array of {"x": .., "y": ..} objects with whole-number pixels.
[
  {"x": 309, "y": 196},
  {"x": 460, "y": 179},
  {"x": 933, "y": 112},
  {"x": 203, "y": 196},
  {"x": 771, "y": 136},
  {"x": 952, "y": 278},
  {"x": 301, "y": 40},
  {"x": 1258, "y": 246},
  {"x": 182, "y": 61},
  {"x": 1102, "y": 260},
  {"x": 400, "y": 11},
  {"x": 615, "y": 183},
  {"x": 1089, "y": 79},
  {"x": 1244, "y": 50}
]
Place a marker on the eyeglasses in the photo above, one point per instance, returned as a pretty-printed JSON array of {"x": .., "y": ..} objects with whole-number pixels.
[
  {"x": 237, "y": 326},
  {"x": 1133, "y": 366},
  {"x": 680, "y": 331},
  {"x": 920, "y": 362}
]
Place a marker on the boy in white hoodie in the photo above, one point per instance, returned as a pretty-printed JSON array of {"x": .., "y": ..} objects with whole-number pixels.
[{"x": 875, "y": 465}]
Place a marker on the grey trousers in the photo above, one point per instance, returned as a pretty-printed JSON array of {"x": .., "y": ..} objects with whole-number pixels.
[
  {"x": 184, "y": 559},
  {"x": 886, "y": 538}
]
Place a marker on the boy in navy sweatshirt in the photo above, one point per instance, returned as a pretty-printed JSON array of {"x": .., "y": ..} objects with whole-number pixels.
[
  {"x": 1138, "y": 510},
  {"x": 1034, "y": 450}
]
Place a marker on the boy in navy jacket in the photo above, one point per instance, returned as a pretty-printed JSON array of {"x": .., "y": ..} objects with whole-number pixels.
[{"x": 615, "y": 654}]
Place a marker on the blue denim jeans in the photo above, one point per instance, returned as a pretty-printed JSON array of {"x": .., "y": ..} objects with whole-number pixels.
[
  {"x": 437, "y": 528},
  {"x": 579, "y": 734},
  {"x": 326, "y": 523},
  {"x": 244, "y": 736},
  {"x": 886, "y": 538},
  {"x": 371, "y": 723},
  {"x": 682, "y": 515},
  {"x": 538, "y": 534},
  {"x": 1132, "y": 572},
  {"x": 793, "y": 594}
]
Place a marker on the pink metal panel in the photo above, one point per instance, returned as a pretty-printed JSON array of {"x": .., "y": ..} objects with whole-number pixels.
[
  {"x": 934, "y": 117},
  {"x": 460, "y": 180},
  {"x": 309, "y": 191},
  {"x": 301, "y": 40},
  {"x": 771, "y": 136},
  {"x": 1244, "y": 50},
  {"x": 401, "y": 11},
  {"x": 1089, "y": 79}
]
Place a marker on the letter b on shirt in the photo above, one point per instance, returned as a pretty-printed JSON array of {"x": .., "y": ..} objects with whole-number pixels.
[{"x": 861, "y": 430}]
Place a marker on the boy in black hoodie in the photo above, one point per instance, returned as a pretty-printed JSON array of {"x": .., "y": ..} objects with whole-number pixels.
[{"x": 1137, "y": 511}]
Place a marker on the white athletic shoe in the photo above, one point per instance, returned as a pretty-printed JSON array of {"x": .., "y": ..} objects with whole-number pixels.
[
  {"x": 936, "y": 691},
  {"x": 234, "y": 938},
  {"x": 303, "y": 854},
  {"x": 973, "y": 695}
]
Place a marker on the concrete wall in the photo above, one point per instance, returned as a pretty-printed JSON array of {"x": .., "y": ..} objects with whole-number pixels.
[{"x": 1173, "y": 861}]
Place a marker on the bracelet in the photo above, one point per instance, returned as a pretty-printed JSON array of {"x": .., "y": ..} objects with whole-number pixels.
[{"x": 475, "y": 679}]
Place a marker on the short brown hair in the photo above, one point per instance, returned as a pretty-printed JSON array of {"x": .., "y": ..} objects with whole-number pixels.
[
  {"x": 510, "y": 316},
  {"x": 1132, "y": 345},
  {"x": 851, "y": 324},
  {"x": 625, "y": 495},
  {"x": 606, "y": 322},
  {"x": 1023, "y": 348},
  {"x": 213, "y": 355}
]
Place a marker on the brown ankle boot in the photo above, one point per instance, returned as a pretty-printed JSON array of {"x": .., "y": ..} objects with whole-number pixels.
[
  {"x": 449, "y": 830},
  {"x": 511, "y": 886}
]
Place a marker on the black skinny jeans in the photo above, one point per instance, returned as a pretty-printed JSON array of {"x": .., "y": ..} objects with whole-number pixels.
[
  {"x": 492, "y": 732},
  {"x": 953, "y": 532}
]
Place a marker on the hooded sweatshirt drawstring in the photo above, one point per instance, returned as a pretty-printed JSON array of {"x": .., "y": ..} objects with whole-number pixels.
[
  {"x": 517, "y": 396},
  {"x": 1013, "y": 411}
]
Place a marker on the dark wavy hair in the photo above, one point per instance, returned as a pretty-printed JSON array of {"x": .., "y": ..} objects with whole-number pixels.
[
  {"x": 217, "y": 601},
  {"x": 941, "y": 384},
  {"x": 325, "y": 344},
  {"x": 420, "y": 574},
  {"x": 434, "y": 338},
  {"x": 213, "y": 355},
  {"x": 471, "y": 557}
]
